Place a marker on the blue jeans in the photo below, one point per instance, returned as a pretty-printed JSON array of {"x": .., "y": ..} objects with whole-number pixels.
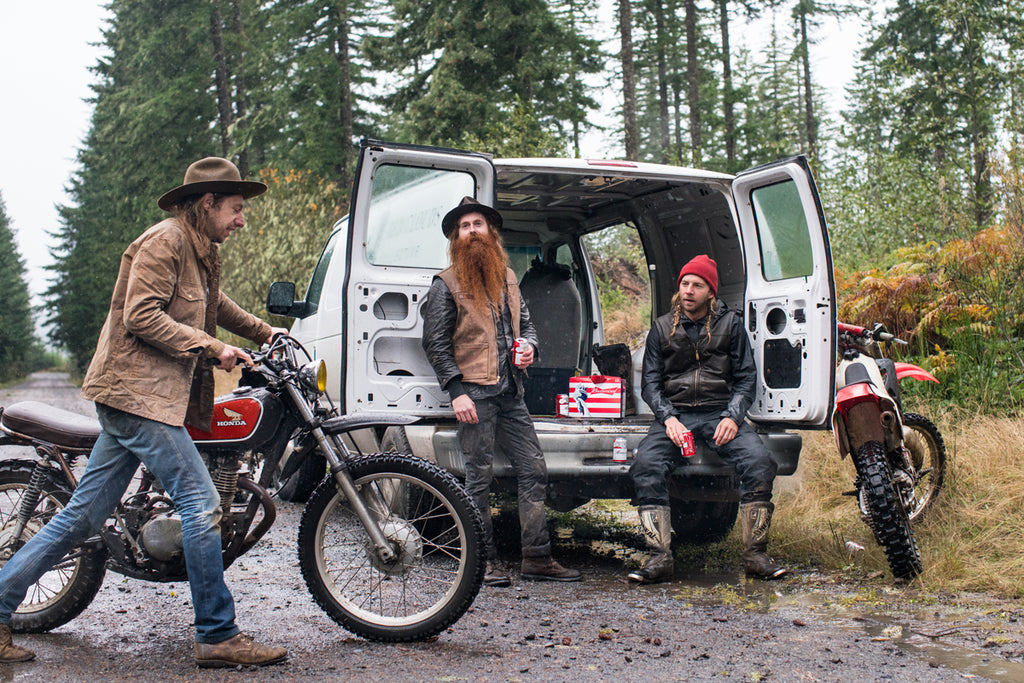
[{"x": 168, "y": 453}]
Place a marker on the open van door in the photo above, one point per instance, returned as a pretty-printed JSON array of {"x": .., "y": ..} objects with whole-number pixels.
[
  {"x": 790, "y": 296},
  {"x": 395, "y": 247}
]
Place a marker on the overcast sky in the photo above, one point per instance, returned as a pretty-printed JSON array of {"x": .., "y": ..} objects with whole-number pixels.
[{"x": 48, "y": 47}]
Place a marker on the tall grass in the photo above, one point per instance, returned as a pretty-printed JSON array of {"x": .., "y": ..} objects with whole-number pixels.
[{"x": 971, "y": 540}]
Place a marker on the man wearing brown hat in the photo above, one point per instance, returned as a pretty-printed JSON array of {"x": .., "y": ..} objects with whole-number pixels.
[
  {"x": 151, "y": 373},
  {"x": 699, "y": 376},
  {"x": 472, "y": 317}
]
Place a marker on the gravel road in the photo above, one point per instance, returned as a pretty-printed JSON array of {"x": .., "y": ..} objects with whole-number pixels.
[{"x": 812, "y": 627}]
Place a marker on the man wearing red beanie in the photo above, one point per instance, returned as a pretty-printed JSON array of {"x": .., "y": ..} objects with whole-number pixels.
[{"x": 699, "y": 376}]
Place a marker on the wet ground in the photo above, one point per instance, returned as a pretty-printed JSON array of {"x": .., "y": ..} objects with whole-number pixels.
[{"x": 811, "y": 627}]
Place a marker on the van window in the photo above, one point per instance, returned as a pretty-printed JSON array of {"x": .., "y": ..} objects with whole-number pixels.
[
  {"x": 623, "y": 282},
  {"x": 406, "y": 208},
  {"x": 316, "y": 283},
  {"x": 782, "y": 231}
]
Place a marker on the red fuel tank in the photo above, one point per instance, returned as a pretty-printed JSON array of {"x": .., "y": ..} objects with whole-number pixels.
[{"x": 244, "y": 419}]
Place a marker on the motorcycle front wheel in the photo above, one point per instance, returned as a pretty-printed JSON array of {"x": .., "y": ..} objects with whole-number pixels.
[
  {"x": 64, "y": 591},
  {"x": 884, "y": 513},
  {"x": 928, "y": 454},
  {"x": 434, "y": 530}
]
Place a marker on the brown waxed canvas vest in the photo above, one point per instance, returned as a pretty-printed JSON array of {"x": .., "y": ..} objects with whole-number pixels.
[{"x": 475, "y": 340}]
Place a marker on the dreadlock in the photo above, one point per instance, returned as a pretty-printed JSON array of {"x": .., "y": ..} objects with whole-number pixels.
[{"x": 677, "y": 312}]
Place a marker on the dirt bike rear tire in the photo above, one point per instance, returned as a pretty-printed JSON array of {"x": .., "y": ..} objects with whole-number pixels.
[
  {"x": 76, "y": 582},
  {"x": 927, "y": 449},
  {"x": 886, "y": 516},
  {"x": 432, "y": 523}
]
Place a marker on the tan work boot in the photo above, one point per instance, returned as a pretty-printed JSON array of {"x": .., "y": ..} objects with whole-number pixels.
[
  {"x": 546, "y": 569},
  {"x": 9, "y": 652},
  {"x": 239, "y": 650},
  {"x": 756, "y": 519},
  {"x": 656, "y": 522},
  {"x": 496, "y": 577}
]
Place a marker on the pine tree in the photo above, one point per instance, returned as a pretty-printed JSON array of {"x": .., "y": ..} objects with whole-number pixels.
[{"x": 17, "y": 334}]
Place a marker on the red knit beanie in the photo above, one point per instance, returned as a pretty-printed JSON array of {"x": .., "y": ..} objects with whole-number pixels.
[{"x": 704, "y": 267}]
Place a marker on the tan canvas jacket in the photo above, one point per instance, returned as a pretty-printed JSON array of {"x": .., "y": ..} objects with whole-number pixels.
[{"x": 153, "y": 336}]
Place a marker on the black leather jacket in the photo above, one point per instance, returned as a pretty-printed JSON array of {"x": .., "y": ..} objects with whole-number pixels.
[
  {"x": 440, "y": 313},
  {"x": 692, "y": 371}
]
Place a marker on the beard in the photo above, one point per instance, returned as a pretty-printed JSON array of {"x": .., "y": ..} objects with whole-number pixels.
[{"x": 479, "y": 264}]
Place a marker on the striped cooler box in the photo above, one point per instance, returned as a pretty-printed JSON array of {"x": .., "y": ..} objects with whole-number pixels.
[{"x": 596, "y": 396}]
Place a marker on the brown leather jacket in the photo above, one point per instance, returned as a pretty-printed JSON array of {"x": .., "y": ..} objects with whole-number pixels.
[{"x": 153, "y": 336}]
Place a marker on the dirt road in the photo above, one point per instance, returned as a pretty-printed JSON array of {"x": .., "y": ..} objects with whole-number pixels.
[{"x": 812, "y": 627}]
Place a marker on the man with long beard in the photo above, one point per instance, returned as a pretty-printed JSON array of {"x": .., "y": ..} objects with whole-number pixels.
[{"x": 472, "y": 317}]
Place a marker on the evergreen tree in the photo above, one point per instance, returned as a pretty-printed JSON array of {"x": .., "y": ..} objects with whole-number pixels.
[{"x": 17, "y": 334}]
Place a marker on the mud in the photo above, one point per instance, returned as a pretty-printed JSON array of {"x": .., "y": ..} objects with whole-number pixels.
[{"x": 813, "y": 626}]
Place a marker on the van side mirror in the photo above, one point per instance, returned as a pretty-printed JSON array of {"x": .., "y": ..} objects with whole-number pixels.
[{"x": 281, "y": 301}]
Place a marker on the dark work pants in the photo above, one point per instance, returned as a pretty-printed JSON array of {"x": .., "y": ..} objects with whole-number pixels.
[
  {"x": 657, "y": 456},
  {"x": 505, "y": 421}
]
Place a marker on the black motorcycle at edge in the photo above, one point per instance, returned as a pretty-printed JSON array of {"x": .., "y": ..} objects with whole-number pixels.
[{"x": 389, "y": 544}]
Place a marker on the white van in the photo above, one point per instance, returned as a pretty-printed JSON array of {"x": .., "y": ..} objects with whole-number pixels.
[{"x": 765, "y": 228}]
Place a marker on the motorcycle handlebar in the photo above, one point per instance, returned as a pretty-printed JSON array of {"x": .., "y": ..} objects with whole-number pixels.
[{"x": 878, "y": 333}]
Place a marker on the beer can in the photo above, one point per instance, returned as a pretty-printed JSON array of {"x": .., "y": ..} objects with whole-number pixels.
[
  {"x": 562, "y": 400},
  {"x": 687, "y": 447},
  {"x": 619, "y": 449},
  {"x": 518, "y": 349}
]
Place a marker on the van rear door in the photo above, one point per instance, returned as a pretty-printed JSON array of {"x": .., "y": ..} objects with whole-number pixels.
[
  {"x": 790, "y": 295},
  {"x": 396, "y": 246}
]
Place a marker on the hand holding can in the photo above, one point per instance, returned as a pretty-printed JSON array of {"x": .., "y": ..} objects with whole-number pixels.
[
  {"x": 688, "y": 448},
  {"x": 519, "y": 349}
]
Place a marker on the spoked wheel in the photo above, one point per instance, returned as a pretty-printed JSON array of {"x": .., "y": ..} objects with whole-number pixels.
[
  {"x": 63, "y": 592},
  {"x": 884, "y": 513},
  {"x": 432, "y": 527},
  {"x": 928, "y": 454}
]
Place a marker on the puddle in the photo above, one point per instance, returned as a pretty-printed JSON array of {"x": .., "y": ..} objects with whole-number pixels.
[{"x": 921, "y": 632}]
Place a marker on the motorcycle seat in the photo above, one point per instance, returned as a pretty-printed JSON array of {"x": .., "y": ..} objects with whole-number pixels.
[{"x": 44, "y": 422}]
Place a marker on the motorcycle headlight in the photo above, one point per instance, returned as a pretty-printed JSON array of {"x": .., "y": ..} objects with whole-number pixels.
[{"x": 313, "y": 376}]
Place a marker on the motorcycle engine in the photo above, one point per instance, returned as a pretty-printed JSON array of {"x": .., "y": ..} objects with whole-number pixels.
[{"x": 161, "y": 537}]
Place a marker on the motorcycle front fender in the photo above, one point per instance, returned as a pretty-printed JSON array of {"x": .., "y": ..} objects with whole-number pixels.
[
  {"x": 858, "y": 418},
  {"x": 914, "y": 372}
]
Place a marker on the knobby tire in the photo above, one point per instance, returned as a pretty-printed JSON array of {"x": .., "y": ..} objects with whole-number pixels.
[
  {"x": 430, "y": 521},
  {"x": 886, "y": 516}
]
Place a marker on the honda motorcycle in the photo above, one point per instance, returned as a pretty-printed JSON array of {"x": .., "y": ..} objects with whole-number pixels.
[
  {"x": 390, "y": 546},
  {"x": 900, "y": 457}
]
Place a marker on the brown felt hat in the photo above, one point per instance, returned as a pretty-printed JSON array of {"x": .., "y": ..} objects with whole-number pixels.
[
  {"x": 211, "y": 174},
  {"x": 469, "y": 205}
]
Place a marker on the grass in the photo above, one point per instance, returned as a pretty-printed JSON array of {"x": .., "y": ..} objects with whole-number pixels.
[{"x": 971, "y": 540}]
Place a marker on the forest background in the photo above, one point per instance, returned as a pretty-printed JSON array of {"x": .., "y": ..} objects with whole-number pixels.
[{"x": 920, "y": 176}]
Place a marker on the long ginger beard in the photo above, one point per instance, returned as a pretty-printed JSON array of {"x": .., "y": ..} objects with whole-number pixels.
[{"x": 479, "y": 263}]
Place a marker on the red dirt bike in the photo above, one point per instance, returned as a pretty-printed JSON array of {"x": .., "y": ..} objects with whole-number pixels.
[
  {"x": 389, "y": 544},
  {"x": 900, "y": 457}
]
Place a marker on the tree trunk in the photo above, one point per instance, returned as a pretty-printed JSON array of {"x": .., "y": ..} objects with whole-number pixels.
[
  {"x": 345, "y": 115},
  {"x": 659, "y": 42},
  {"x": 223, "y": 95},
  {"x": 728, "y": 113},
  {"x": 632, "y": 137},
  {"x": 693, "y": 82},
  {"x": 240, "y": 93},
  {"x": 810, "y": 121}
]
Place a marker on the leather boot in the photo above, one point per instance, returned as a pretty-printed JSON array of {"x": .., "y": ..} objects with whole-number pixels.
[
  {"x": 9, "y": 652},
  {"x": 241, "y": 650},
  {"x": 656, "y": 522},
  {"x": 546, "y": 569},
  {"x": 756, "y": 519},
  {"x": 495, "y": 576}
]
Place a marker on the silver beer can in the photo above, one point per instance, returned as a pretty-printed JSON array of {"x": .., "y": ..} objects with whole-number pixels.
[{"x": 619, "y": 449}]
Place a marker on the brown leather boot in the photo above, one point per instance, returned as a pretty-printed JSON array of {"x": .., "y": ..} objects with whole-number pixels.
[
  {"x": 656, "y": 522},
  {"x": 495, "y": 576},
  {"x": 546, "y": 569},
  {"x": 9, "y": 652},
  {"x": 756, "y": 519},
  {"x": 239, "y": 650}
]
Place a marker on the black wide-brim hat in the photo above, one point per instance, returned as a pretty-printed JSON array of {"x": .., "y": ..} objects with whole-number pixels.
[
  {"x": 211, "y": 174},
  {"x": 469, "y": 205}
]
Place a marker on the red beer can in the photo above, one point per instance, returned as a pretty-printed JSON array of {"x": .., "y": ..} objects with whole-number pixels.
[
  {"x": 687, "y": 447},
  {"x": 518, "y": 349},
  {"x": 563, "y": 405}
]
